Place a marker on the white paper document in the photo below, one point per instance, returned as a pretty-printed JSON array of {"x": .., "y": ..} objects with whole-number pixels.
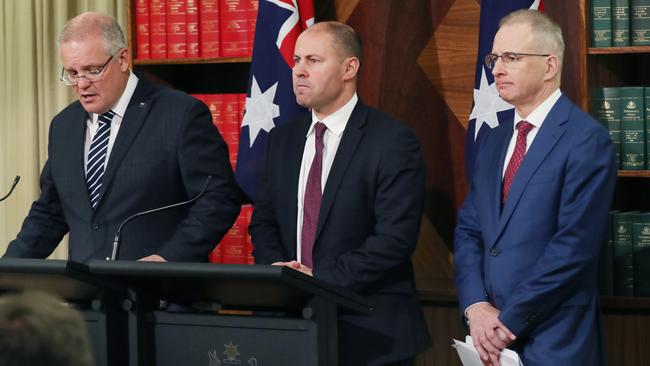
[{"x": 469, "y": 355}]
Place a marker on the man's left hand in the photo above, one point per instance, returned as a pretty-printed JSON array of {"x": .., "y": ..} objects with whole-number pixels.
[
  {"x": 153, "y": 258},
  {"x": 297, "y": 266}
]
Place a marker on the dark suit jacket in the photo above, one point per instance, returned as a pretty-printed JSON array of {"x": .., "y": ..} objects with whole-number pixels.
[
  {"x": 367, "y": 228},
  {"x": 165, "y": 149},
  {"x": 536, "y": 258}
]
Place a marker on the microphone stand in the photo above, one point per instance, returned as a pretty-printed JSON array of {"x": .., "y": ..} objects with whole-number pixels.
[
  {"x": 11, "y": 190},
  {"x": 116, "y": 240}
]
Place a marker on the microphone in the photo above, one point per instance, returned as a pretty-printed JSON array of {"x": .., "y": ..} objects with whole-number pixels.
[
  {"x": 11, "y": 190},
  {"x": 116, "y": 240}
]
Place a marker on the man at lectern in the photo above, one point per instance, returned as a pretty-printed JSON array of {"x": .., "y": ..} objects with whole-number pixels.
[
  {"x": 124, "y": 147},
  {"x": 529, "y": 232},
  {"x": 341, "y": 196}
]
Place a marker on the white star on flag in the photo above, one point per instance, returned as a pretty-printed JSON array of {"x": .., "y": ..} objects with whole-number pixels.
[
  {"x": 260, "y": 110},
  {"x": 487, "y": 103}
]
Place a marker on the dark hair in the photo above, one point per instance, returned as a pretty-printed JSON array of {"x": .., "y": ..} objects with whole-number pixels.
[
  {"x": 344, "y": 38},
  {"x": 39, "y": 329}
]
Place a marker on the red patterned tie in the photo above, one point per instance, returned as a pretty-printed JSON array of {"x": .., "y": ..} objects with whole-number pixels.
[
  {"x": 523, "y": 127},
  {"x": 313, "y": 196}
]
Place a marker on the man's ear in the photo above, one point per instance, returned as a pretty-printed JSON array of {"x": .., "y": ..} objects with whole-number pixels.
[
  {"x": 123, "y": 58},
  {"x": 552, "y": 67},
  {"x": 351, "y": 68}
]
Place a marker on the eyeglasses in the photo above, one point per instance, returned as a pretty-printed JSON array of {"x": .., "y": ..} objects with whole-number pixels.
[
  {"x": 508, "y": 58},
  {"x": 71, "y": 77}
]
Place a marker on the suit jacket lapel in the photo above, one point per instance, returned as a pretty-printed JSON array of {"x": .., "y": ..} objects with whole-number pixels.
[
  {"x": 133, "y": 118},
  {"x": 548, "y": 135},
  {"x": 349, "y": 141},
  {"x": 502, "y": 135},
  {"x": 78, "y": 132},
  {"x": 291, "y": 170}
]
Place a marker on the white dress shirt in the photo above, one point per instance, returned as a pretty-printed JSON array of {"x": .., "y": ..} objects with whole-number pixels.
[
  {"x": 536, "y": 118},
  {"x": 92, "y": 125},
  {"x": 335, "y": 124}
]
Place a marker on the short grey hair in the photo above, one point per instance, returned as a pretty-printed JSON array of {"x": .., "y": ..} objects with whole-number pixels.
[
  {"x": 547, "y": 32},
  {"x": 91, "y": 23}
]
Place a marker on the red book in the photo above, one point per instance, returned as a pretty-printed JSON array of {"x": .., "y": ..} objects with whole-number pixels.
[
  {"x": 230, "y": 125},
  {"x": 248, "y": 214},
  {"x": 158, "y": 28},
  {"x": 209, "y": 28},
  {"x": 192, "y": 35},
  {"x": 176, "y": 29},
  {"x": 233, "y": 244},
  {"x": 215, "y": 255},
  {"x": 251, "y": 20},
  {"x": 234, "y": 28},
  {"x": 214, "y": 102},
  {"x": 142, "y": 30}
]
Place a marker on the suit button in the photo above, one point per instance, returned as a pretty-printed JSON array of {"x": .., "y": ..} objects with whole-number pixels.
[
  {"x": 494, "y": 252},
  {"x": 96, "y": 227}
]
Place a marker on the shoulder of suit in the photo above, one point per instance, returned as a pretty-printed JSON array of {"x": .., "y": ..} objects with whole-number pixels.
[{"x": 583, "y": 121}]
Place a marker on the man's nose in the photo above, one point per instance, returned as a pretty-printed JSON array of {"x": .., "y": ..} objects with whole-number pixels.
[{"x": 83, "y": 83}]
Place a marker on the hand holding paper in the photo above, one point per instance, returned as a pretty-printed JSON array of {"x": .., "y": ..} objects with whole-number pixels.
[{"x": 470, "y": 357}]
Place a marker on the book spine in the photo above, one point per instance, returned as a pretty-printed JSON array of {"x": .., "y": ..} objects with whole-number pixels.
[
  {"x": 641, "y": 254},
  {"x": 606, "y": 261},
  {"x": 640, "y": 22},
  {"x": 247, "y": 211},
  {"x": 623, "y": 254},
  {"x": 209, "y": 28},
  {"x": 620, "y": 23},
  {"x": 192, "y": 35},
  {"x": 231, "y": 125},
  {"x": 142, "y": 30},
  {"x": 176, "y": 29},
  {"x": 605, "y": 107},
  {"x": 233, "y": 243},
  {"x": 646, "y": 98},
  {"x": 234, "y": 28},
  {"x": 252, "y": 24},
  {"x": 601, "y": 23},
  {"x": 158, "y": 20},
  {"x": 632, "y": 128}
]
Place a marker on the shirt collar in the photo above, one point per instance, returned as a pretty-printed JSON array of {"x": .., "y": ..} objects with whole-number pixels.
[
  {"x": 538, "y": 115},
  {"x": 336, "y": 121},
  {"x": 120, "y": 107}
]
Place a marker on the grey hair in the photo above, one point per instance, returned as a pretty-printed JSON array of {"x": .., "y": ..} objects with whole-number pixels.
[
  {"x": 547, "y": 32},
  {"x": 90, "y": 23}
]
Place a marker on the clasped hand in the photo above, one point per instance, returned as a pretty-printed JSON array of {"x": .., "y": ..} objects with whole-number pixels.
[{"x": 490, "y": 336}]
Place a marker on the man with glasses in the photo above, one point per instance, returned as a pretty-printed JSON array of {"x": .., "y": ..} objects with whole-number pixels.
[
  {"x": 124, "y": 147},
  {"x": 529, "y": 232}
]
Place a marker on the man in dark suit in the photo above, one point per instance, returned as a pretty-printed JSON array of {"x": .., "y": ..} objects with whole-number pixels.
[
  {"x": 341, "y": 197},
  {"x": 529, "y": 232},
  {"x": 95, "y": 177}
]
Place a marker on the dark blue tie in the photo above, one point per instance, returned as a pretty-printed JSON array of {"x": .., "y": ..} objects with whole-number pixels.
[{"x": 97, "y": 157}]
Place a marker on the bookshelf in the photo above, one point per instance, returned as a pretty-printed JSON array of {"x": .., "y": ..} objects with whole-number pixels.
[
  {"x": 624, "y": 317},
  {"x": 204, "y": 75}
]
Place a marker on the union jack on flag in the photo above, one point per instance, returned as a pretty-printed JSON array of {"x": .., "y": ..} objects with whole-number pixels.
[
  {"x": 270, "y": 99},
  {"x": 488, "y": 107}
]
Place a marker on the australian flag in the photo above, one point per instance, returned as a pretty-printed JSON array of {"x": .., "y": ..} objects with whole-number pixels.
[
  {"x": 488, "y": 107},
  {"x": 270, "y": 99}
]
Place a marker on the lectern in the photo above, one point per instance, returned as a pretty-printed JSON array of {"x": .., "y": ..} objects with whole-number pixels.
[
  {"x": 283, "y": 316},
  {"x": 95, "y": 298}
]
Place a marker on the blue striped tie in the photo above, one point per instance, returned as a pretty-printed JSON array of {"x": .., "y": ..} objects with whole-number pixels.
[{"x": 97, "y": 157}]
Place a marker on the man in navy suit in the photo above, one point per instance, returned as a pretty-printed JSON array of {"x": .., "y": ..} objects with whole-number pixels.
[
  {"x": 126, "y": 146},
  {"x": 341, "y": 197},
  {"x": 529, "y": 232}
]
